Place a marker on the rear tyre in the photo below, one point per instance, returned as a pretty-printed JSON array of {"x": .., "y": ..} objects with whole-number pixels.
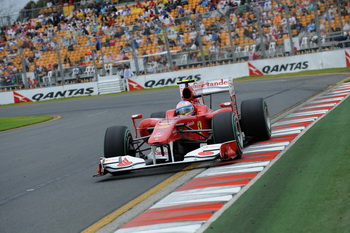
[
  {"x": 118, "y": 142},
  {"x": 255, "y": 119},
  {"x": 225, "y": 127},
  {"x": 158, "y": 114}
]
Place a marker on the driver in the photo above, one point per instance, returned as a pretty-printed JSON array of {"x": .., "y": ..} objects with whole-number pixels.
[{"x": 184, "y": 108}]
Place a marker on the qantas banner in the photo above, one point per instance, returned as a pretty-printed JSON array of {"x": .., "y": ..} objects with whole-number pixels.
[
  {"x": 202, "y": 74},
  {"x": 334, "y": 59},
  {"x": 6, "y": 98},
  {"x": 285, "y": 65},
  {"x": 49, "y": 93}
]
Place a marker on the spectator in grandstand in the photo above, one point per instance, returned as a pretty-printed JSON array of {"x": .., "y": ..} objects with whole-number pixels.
[
  {"x": 303, "y": 33},
  {"x": 277, "y": 19},
  {"x": 176, "y": 68},
  {"x": 346, "y": 28},
  {"x": 204, "y": 3},
  {"x": 120, "y": 72},
  {"x": 160, "y": 41},
  {"x": 110, "y": 57},
  {"x": 215, "y": 37},
  {"x": 179, "y": 40},
  {"x": 97, "y": 43},
  {"x": 67, "y": 60},
  {"x": 311, "y": 26},
  {"x": 127, "y": 72},
  {"x": 103, "y": 59},
  {"x": 37, "y": 54}
]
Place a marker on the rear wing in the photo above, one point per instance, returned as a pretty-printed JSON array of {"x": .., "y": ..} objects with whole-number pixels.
[{"x": 205, "y": 88}]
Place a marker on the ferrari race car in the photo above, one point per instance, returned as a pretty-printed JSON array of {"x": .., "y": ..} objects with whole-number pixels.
[{"x": 174, "y": 136}]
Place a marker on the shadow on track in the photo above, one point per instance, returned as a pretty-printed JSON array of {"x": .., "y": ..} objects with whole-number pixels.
[{"x": 151, "y": 172}]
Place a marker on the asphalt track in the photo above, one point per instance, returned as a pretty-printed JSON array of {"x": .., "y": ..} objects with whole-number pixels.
[{"x": 46, "y": 170}]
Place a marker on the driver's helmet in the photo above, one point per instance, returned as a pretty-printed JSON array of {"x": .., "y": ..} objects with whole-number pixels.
[{"x": 184, "y": 108}]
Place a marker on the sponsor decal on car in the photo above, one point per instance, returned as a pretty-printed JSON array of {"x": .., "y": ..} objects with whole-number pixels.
[
  {"x": 199, "y": 125},
  {"x": 211, "y": 147},
  {"x": 211, "y": 83},
  {"x": 158, "y": 151},
  {"x": 190, "y": 123},
  {"x": 205, "y": 153},
  {"x": 163, "y": 126},
  {"x": 124, "y": 163}
]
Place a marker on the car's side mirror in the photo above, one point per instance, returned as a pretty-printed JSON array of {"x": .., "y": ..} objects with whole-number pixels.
[
  {"x": 225, "y": 105},
  {"x": 136, "y": 116}
]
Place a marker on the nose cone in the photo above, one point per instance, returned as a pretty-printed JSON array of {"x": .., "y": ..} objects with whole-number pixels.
[{"x": 163, "y": 133}]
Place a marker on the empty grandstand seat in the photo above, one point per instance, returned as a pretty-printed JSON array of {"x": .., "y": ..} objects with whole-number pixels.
[
  {"x": 252, "y": 48},
  {"x": 89, "y": 70},
  {"x": 272, "y": 49},
  {"x": 75, "y": 72},
  {"x": 246, "y": 50},
  {"x": 304, "y": 43},
  {"x": 109, "y": 69},
  {"x": 237, "y": 51},
  {"x": 48, "y": 79},
  {"x": 184, "y": 59}
]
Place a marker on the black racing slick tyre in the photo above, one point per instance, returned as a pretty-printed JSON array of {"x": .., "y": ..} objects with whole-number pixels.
[
  {"x": 255, "y": 119},
  {"x": 158, "y": 115},
  {"x": 225, "y": 127},
  {"x": 118, "y": 142}
]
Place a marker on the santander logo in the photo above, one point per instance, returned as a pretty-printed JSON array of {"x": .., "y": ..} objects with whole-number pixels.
[
  {"x": 253, "y": 71},
  {"x": 20, "y": 98}
]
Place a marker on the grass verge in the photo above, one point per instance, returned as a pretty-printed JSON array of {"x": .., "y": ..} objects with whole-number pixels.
[
  {"x": 307, "y": 190},
  {"x": 7, "y": 123}
]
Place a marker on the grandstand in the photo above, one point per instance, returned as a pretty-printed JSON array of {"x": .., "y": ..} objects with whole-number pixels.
[{"x": 79, "y": 41}]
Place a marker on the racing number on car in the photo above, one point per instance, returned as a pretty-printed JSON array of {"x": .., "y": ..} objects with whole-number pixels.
[{"x": 199, "y": 125}]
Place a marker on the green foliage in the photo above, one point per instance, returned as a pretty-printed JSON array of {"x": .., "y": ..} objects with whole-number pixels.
[{"x": 7, "y": 123}]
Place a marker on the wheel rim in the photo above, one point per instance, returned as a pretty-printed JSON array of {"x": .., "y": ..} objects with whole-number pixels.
[
  {"x": 128, "y": 146},
  {"x": 267, "y": 117},
  {"x": 238, "y": 134}
]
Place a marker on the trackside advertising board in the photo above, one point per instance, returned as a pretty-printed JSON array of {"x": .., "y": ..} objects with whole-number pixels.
[
  {"x": 49, "y": 93},
  {"x": 6, "y": 98},
  {"x": 212, "y": 77},
  {"x": 203, "y": 74},
  {"x": 312, "y": 61}
]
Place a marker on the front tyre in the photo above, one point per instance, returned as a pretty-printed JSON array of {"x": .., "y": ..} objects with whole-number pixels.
[
  {"x": 225, "y": 127},
  {"x": 118, "y": 142},
  {"x": 255, "y": 119}
]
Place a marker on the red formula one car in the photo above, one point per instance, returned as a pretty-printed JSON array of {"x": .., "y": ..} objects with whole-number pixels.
[{"x": 193, "y": 132}]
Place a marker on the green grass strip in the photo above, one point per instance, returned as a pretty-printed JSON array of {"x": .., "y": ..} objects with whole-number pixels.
[
  {"x": 7, "y": 123},
  {"x": 306, "y": 190}
]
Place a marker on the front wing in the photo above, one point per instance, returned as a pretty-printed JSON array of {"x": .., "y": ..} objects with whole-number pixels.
[{"x": 117, "y": 164}]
